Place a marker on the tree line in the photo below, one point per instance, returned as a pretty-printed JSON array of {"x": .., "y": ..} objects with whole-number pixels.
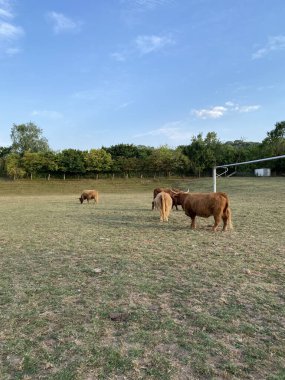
[{"x": 30, "y": 156}]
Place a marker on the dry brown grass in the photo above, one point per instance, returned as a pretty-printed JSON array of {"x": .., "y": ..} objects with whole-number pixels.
[{"x": 195, "y": 304}]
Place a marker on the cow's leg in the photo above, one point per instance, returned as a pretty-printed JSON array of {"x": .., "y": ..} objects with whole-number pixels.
[
  {"x": 225, "y": 221},
  {"x": 193, "y": 222},
  {"x": 218, "y": 219},
  {"x": 191, "y": 215},
  {"x": 167, "y": 215},
  {"x": 152, "y": 205}
]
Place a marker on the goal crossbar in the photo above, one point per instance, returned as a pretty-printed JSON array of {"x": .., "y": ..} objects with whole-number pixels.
[{"x": 239, "y": 163}]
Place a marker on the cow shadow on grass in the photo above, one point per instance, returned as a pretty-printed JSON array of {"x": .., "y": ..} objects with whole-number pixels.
[
  {"x": 138, "y": 218},
  {"x": 146, "y": 220},
  {"x": 122, "y": 220}
]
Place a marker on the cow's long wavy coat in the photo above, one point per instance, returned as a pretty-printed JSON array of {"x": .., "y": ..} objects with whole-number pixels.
[
  {"x": 163, "y": 203},
  {"x": 88, "y": 195},
  {"x": 205, "y": 205},
  {"x": 171, "y": 192}
]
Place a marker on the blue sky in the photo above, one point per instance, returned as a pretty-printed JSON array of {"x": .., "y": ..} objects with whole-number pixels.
[{"x": 151, "y": 72}]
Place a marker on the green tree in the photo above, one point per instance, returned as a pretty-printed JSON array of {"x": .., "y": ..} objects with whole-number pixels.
[
  {"x": 71, "y": 161},
  {"x": 98, "y": 160},
  {"x": 155, "y": 161},
  {"x": 28, "y": 138},
  {"x": 5, "y": 150},
  {"x": 274, "y": 145},
  {"x": 124, "y": 165},
  {"x": 13, "y": 166},
  {"x": 129, "y": 158},
  {"x": 208, "y": 152},
  {"x": 180, "y": 162},
  {"x": 240, "y": 151},
  {"x": 39, "y": 163},
  {"x": 213, "y": 149},
  {"x": 32, "y": 163},
  {"x": 165, "y": 160},
  {"x": 123, "y": 150},
  {"x": 196, "y": 153},
  {"x": 49, "y": 162},
  {"x": 144, "y": 151}
]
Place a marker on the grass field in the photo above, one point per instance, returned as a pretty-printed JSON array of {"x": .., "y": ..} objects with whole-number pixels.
[{"x": 107, "y": 291}]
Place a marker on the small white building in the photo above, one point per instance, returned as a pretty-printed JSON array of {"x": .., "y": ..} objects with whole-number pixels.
[{"x": 264, "y": 172}]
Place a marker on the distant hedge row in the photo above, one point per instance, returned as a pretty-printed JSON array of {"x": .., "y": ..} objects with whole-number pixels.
[{"x": 30, "y": 156}]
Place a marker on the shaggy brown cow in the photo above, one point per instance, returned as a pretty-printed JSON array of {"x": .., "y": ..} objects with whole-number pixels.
[
  {"x": 158, "y": 190},
  {"x": 88, "y": 195},
  {"x": 163, "y": 203},
  {"x": 205, "y": 205}
]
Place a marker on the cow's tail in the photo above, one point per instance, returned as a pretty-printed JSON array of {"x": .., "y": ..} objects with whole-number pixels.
[
  {"x": 228, "y": 213},
  {"x": 225, "y": 195},
  {"x": 163, "y": 206}
]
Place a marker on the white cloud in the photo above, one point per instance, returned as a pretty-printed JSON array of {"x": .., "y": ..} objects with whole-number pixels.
[
  {"x": 148, "y": 44},
  {"x": 5, "y": 14},
  {"x": 107, "y": 95},
  {"x": 273, "y": 44},
  {"x": 120, "y": 57},
  {"x": 86, "y": 95},
  {"x": 249, "y": 108},
  {"x": 211, "y": 113},
  {"x": 61, "y": 23},
  {"x": 47, "y": 114},
  {"x": 5, "y": 9},
  {"x": 13, "y": 51},
  {"x": 9, "y": 31},
  {"x": 124, "y": 105},
  {"x": 173, "y": 131},
  {"x": 234, "y": 107},
  {"x": 132, "y": 10},
  {"x": 219, "y": 111},
  {"x": 143, "y": 44},
  {"x": 141, "y": 5}
]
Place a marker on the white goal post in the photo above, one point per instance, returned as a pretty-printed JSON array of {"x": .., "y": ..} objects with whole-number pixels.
[{"x": 236, "y": 164}]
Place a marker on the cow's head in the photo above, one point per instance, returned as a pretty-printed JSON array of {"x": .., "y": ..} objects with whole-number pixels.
[
  {"x": 81, "y": 199},
  {"x": 179, "y": 196}
]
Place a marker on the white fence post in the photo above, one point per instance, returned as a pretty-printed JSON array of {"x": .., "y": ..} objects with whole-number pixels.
[{"x": 214, "y": 179}]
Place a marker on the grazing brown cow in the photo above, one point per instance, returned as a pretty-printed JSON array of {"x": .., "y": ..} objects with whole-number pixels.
[
  {"x": 163, "y": 203},
  {"x": 205, "y": 205},
  {"x": 158, "y": 190},
  {"x": 88, "y": 195}
]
